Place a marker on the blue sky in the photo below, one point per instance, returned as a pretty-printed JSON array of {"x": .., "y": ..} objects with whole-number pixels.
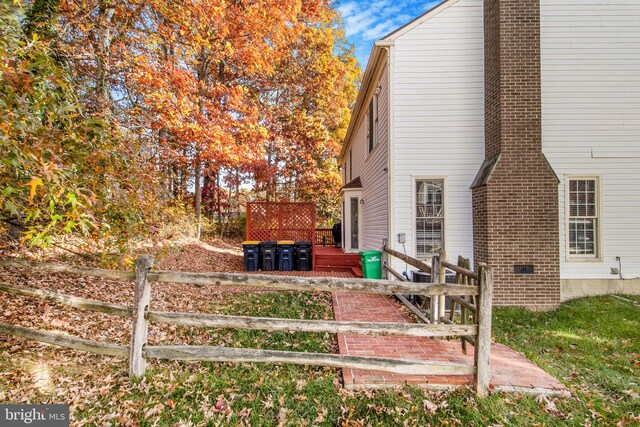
[{"x": 366, "y": 21}]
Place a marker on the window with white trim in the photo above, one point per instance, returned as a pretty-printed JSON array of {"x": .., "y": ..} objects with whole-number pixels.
[
  {"x": 583, "y": 217},
  {"x": 429, "y": 217},
  {"x": 372, "y": 122}
]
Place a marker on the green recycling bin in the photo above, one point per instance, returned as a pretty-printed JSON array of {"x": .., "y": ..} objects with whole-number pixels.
[{"x": 371, "y": 264}]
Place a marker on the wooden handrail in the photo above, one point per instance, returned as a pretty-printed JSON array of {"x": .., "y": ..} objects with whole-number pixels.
[
  {"x": 468, "y": 338},
  {"x": 459, "y": 269},
  {"x": 409, "y": 260},
  {"x": 464, "y": 303}
]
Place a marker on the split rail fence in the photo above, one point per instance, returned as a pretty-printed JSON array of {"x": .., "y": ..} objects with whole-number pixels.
[
  {"x": 141, "y": 314},
  {"x": 470, "y": 309}
]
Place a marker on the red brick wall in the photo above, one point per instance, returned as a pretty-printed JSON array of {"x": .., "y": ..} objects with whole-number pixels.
[{"x": 516, "y": 207}]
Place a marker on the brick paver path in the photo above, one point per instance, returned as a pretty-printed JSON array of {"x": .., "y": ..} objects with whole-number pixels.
[{"x": 509, "y": 369}]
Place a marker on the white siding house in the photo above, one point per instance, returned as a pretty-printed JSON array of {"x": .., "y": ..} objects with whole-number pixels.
[
  {"x": 591, "y": 129},
  {"x": 426, "y": 82},
  {"x": 367, "y": 160},
  {"x": 438, "y": 126}
]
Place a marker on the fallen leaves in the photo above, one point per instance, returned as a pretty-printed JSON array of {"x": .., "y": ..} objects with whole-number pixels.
[
  {"x": 549, "y": 405},
  {"x": 429, "y": 406}
]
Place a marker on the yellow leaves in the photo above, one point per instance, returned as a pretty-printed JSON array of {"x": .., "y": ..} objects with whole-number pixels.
[
  {"x": 34, "y": 184},
  {"x": 229, "y": 49}
]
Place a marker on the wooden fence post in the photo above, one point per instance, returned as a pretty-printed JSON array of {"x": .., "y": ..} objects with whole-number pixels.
[
  {"x": 385, "y": 259},
  {"x": 442, "y": 278},
  {"x": 434, "y": 310},
  {"x": 139, "y": 324},
  {"x": 483, "y": 340}
]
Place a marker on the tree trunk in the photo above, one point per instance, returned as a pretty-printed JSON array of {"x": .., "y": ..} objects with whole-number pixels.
[
  {"x": 198, "y": 190},
  {"x": 103, "y": 70}
]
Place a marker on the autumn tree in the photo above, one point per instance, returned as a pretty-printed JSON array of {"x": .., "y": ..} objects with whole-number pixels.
[
  {"x": 307, "y": 109},
  {"x": 64, "y": 170},
  {"x": 114, "y": 109}
]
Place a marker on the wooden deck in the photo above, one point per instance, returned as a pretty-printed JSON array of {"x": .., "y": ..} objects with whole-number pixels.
[{"x": 332, "y": 259}]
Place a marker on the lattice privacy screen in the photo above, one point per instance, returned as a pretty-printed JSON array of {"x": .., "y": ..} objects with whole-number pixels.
[{"x": 281, "y": 221}]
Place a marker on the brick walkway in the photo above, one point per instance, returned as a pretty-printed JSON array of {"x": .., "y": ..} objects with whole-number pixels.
[{"x": 510, "y": 370}]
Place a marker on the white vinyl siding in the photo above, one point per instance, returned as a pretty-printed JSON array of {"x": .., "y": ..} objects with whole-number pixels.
[
  {"x": 590, "y": 64},
  {"x": 371, "y": 167},
  {"x": 439, "y": 120}
]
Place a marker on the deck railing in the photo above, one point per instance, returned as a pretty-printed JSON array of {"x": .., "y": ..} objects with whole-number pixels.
[
  {"x": 324, "y": 237},
  {"x": 141, "y": 314}
]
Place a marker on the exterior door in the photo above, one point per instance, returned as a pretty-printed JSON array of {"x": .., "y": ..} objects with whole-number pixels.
[
  {"x": 352, "y": 238},
  {"x": 353, "y": 220}
]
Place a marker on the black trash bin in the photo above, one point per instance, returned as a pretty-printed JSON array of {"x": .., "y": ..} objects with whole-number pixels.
[
  {"x": 303, "y": 256},
  {"x": 285, "y": 255},
  {"x": 251, "y": 251},
  {"x": 268, "y": 255},
  {"x": 336, "y": 232}
]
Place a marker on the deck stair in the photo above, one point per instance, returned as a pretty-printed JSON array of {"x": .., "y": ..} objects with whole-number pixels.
[{"x": 333, "y": 259}]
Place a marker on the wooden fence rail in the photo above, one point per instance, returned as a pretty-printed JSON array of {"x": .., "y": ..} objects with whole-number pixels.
[
  {"x": 325, "y": 326},
  {"x": 227, "y": 354},
  {"x": 138, "y": 351},
  {"x": 72, "y": 301},
  {"x": 64, "y": 340},
  {"x": 248, "y": 322},
  {"x": 287, "y": 283},
  {"x": 479, "y": 305}
]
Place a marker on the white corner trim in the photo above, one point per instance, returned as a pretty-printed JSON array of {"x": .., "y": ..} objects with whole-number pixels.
[{"x": 390, "y": 148}]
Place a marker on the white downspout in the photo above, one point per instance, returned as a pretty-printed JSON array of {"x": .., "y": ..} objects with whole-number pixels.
[{"x": 388, "y": 47}]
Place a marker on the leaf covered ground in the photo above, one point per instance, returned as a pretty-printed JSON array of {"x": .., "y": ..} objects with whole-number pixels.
[{"x": 591, "y": 345}]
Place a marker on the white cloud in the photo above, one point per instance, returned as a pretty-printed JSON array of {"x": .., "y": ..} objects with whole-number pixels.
[
  {"x": 365, "y": 17},
  {"x": 369, "y": 20},
  {"x": 380, "y": 30},
  {"x": 347, "y": 9},
  {"x": 431, "y": 4},
  {"x": 358, "y": 23}
]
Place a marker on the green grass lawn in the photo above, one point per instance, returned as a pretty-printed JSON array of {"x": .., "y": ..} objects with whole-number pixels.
[{"x": 592, "y": 345}]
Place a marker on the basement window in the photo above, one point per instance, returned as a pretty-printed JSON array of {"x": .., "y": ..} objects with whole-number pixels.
[{"x": 583, "y": 217}]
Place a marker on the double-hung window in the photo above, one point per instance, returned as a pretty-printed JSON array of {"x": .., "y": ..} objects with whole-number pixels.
[
  {"x": 583, "y": 217},
  {"x": 429, "y": 217},
  {"x": 372, "y": 123}
]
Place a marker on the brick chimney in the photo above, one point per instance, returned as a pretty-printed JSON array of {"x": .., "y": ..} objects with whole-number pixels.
[{"x": 515, "y": 193}]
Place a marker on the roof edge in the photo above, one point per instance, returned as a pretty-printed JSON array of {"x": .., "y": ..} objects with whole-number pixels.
[
  {"x": 419, "y": 20},
  {"x": 373, "y": 66},
  {"x": 374, "y": 63}
]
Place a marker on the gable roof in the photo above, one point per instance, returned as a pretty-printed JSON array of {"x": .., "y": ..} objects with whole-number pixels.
[
  {"x": 374, "y": 64},
  {"x": 354, "y": 183},
  {"x": 419, "y": 20}
]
